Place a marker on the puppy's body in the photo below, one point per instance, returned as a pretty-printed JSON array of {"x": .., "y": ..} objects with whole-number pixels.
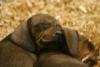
[{"x": 54, "y": 59}]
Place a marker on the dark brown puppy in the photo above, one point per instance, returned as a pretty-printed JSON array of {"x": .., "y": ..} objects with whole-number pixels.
[
  {"x": 58, "y": 60},
  {"x": 19, "y": 48}
]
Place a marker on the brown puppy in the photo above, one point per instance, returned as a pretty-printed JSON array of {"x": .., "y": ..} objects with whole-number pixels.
[
  {"x": 54, "y": 59},
  {"x": 80, "y": 47},
  {"x": 19, "y": 48}
]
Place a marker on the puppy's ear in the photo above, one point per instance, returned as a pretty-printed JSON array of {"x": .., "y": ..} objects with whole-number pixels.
[
  {"x": 72, "y": 40},
  {"x": 21, "y": 37}
]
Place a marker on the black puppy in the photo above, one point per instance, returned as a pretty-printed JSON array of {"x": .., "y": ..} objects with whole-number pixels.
[{"x": 20, "y": 48}]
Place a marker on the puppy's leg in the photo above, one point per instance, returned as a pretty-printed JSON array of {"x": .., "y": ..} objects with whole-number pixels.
[{"x": 58, "y": 60}]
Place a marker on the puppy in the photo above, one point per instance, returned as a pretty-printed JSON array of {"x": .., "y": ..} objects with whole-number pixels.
[
  {"x": 80, "y": 47},
  {"x": 21, "y": 48},
  {"x": 54, "y": 59}
]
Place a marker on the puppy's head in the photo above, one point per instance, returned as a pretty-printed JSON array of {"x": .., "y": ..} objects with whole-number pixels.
[
  {"x": 80, "y": 47},
  {"x": 46, "y": 31}
]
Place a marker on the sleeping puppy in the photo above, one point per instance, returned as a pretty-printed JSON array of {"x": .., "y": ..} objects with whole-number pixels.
[
  {"x": 54, "y": 59},
  {"x": 80, "y": 47},
  {"x": 20, "y": 49}
]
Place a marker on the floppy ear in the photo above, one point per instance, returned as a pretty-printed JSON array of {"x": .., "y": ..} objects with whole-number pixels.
[
  {"x": 22, "y": 38},
  {"x": 72, "y": 40}
]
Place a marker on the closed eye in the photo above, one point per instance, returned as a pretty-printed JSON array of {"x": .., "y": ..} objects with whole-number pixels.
[{"x": 42, "y": 26}]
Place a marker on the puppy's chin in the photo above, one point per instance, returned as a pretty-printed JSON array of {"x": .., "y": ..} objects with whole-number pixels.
[{"x": 50, "y": 45}]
